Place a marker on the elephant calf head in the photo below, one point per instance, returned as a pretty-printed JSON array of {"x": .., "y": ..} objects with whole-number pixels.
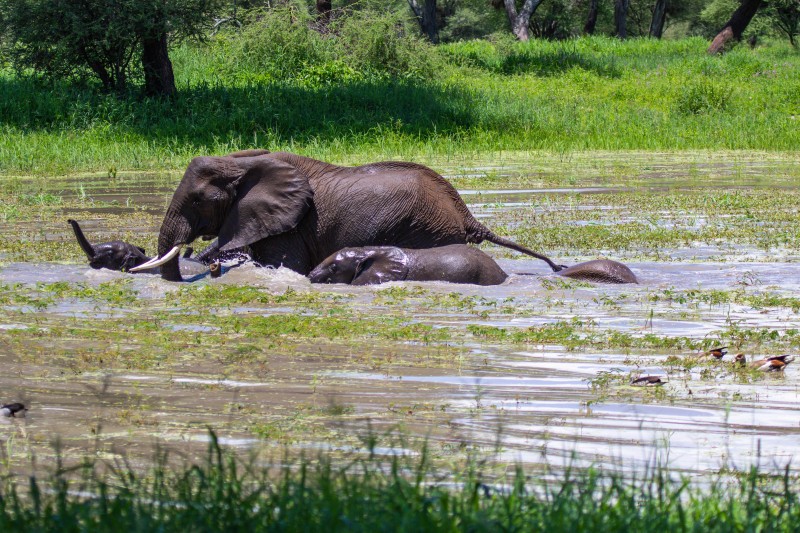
[
  {"x": 362, "y": 266},
  {"x": 113, "y": 255}
]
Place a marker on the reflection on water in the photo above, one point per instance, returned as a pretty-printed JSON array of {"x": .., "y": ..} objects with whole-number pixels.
[{"x": 537, "y": 399}]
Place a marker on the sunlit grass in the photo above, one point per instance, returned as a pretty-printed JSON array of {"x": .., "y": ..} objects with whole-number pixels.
[
  {"x": 584, "y": 94},
  {"x": 403, "y": 492}
]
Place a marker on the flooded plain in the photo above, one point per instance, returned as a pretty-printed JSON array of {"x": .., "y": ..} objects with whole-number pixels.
[{"x": 536, "y": 370}]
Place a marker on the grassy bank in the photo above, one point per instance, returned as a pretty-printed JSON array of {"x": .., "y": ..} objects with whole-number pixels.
[
  {"x": 463, "y": 98},
  {"x": 224, "y": 494}
]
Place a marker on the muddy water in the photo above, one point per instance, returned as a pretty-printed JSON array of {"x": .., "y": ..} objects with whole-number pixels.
[{"x": 517, "y": 400}]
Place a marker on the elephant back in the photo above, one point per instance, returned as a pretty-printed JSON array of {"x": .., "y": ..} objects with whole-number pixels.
[{"x": 391, "y": 204}]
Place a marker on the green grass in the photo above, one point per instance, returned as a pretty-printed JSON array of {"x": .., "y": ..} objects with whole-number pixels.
[
  {"x": 584, "y": 94},
  {"x": 403, "y": 493}
]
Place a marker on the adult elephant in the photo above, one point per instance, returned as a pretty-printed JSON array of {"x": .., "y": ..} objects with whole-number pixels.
[{"x": 294, "y": 211}]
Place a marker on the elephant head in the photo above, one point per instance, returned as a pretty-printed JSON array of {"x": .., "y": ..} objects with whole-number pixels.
[
  {"x": 362, "y": 266},
  {"x": 240, "y": 198},
  {"x": 114, "y": 255}
]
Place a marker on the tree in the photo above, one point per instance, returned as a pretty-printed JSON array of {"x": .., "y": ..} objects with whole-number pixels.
[
  {"x": 426, "y": 15},
  {"x": 324, "y": 8},
  {"x": 786, "y": 16},
  {"x": 591, "y": 19},
  {"x": 520, "y": 20},
  {"x": 620, "y": 18},
  {"x": 101, "y": 38},
  {"x": 659, "y": 16},
  {"x": 734, "y": 28}
]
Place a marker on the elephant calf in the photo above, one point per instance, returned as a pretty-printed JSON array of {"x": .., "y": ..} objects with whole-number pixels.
[
  {"x": 113, "y": 255},
  {"x": 600, "y": 271},
  {"x": 122, "y": 256},
  {"x": 456, "y": 263}
]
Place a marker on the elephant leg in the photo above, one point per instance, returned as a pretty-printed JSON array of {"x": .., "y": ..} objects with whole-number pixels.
[{"x": 287, "y": 250}]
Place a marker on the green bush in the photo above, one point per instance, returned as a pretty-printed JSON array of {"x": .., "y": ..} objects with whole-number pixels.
[
  {"x": 386, "y": 44},
  {"x": 282, "y": 44},
  {"x": 702, "y": 96},
  {"x": 277, "y": 44}
]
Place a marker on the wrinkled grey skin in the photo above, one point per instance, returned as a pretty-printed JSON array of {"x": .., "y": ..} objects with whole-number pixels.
[
  {"x": 294, "y": 211},
  {"x": 600, "y": 271},
  {"x": 456, "y": 263},
  {"x": 122, "y": 256}
]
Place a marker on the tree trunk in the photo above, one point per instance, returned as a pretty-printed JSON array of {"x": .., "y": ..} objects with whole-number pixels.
[
  {"x": 158, "y": 77},
  {"x": 620, "y": 17},
  {"x": 520, "y": 21},
  {"x": 426, "y": 16},
  {"x": 591, "y": 20},
  {"x": 659, "y": 16},
  {"x": 734, "y": 28},
  {"x": 324, "y": 8}
]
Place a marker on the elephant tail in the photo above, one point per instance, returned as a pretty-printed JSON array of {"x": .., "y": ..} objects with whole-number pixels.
[
  {"x": 82, "y": 240},
  {"x": 491, "y": 237}
]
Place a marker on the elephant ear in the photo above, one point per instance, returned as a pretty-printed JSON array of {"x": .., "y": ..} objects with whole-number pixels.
[
  {"x": 388, "y": 264},
  {"x": 271, "y": 198}
]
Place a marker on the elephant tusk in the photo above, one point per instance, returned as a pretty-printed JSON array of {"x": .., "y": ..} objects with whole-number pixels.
[{"x": 158, "y": 261}]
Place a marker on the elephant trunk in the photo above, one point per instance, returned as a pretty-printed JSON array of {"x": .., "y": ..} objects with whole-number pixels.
[
  {"x": 175, "y": 231},
  {"x": 86, "y": 246}
]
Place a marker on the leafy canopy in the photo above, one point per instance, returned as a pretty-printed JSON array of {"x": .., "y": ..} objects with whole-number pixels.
[{"x": 96, "y": 38}]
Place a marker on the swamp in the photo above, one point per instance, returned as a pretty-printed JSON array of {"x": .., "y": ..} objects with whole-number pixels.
[
  {"x": 536, "y": 370},
  {"x": 259, "y": 400}
]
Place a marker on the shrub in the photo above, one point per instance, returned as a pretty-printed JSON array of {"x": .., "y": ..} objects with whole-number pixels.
[
  {"x": 702, "y": 96},
  {"x": 386, "y": 44},
  {"x": 276, "y": 44}
]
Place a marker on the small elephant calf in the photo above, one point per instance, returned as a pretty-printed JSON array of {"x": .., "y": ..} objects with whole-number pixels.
[
  {"x": 600, "y": 271},
  {"x": 114, "y": 255},
  {"x": 457, "y": 263},
  {"x": 122, "y": 256}
]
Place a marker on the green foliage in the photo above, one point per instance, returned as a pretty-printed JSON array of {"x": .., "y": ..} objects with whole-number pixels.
[
  {"x": 277, "y": 44},
  {"x": 405, "y": 492},
  {"x": 717, "y": 13},
  {"x": 95, "y": 38},
  {"x": 281, "y": 44},
  {"x": 560, "y": 19},
  {"x": 784, "y": 16},
  {"x": 386, "y": 44},
  {"x": 702, "y": 96},
  {"x": 588, "y": 93},
  {"x": 471, "y": 19}
]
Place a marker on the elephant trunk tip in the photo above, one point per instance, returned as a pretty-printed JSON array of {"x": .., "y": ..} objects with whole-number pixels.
[{"x": 84, "y": 243}]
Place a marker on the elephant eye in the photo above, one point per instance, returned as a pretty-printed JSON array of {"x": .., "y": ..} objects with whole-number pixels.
[{"x": 333, "y": 267}]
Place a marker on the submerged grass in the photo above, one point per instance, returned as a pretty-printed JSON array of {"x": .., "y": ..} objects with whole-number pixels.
[{"x": 401, "y": 493}]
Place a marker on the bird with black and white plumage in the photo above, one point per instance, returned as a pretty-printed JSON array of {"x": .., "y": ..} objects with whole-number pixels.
[
  {"x": 775, "y": 363},
  {"x": 13, "y": 410}
]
